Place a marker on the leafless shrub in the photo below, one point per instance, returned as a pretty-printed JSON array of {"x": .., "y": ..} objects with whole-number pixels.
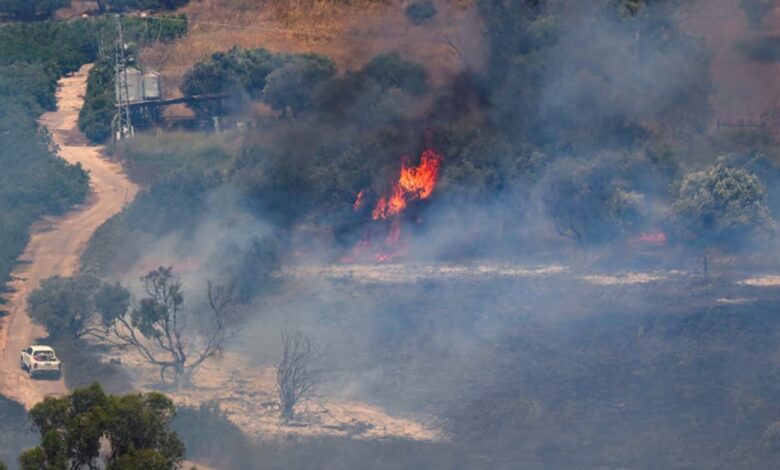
[{"x": 297, "y": 375}]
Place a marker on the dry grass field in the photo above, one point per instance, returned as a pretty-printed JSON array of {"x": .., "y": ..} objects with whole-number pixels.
[{"x": 349, "y": 32}]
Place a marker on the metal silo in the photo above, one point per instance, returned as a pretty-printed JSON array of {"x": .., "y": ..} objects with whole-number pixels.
[
  {"x": 134, "y": 85},
  {"x": 151, "y": 86}
]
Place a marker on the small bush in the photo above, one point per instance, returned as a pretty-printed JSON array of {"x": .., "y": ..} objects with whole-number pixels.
[
  {"x": 420, "y": 12},
  {"x": 764, "y": 49}
]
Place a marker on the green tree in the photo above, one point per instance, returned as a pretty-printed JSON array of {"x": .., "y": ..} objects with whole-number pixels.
[
  {"x": 63, "y": 305},
  {"x": 136, "y": 428},
  {"x": 111, "y": 301},
  {"x": 421, "y": 11},
  {"x": 293, "y": 86},
  {"x": 31, "y": 9},
  {"x": 98, "y": 111},
  {"x": 721, "y": 203},
  {"x": 239, "y": 72},
  {"x": 157, "y": 327},
  {"x": 391, "y": 71},
  {"x": 591, "y": 200}
]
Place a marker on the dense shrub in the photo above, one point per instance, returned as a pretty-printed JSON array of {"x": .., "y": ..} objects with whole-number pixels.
[
  {"x": 421, "y": 11},
  {"x": 294, "y": 85},
  {"x": 391, "y": 71},
  {"x": 721, "y": 203},
  {"x": 96, "y": 115},
  {"x": 62, "y": 47},
  {"x": 301, "y": 82},
  {"x": 125, "y": 5},
  {"x": 283, "y": 81},
  {"x": 31, "y": 9},
  {"x": 33, "y": 182}
]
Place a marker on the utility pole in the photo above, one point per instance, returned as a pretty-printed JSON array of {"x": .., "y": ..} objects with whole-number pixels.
[{"x": 123, "y": 120}]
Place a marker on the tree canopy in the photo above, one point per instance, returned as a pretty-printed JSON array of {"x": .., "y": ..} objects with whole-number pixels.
[
  {"x": 31, "y": 9},
  {"x": 721, "y": 203},
  {"x": 136, "y": 428}
]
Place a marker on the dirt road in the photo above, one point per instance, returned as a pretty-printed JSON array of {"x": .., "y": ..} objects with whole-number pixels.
[{"x": 56, "y": 245}]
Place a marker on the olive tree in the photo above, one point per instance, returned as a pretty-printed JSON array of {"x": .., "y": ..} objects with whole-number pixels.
[{"x": 720, "y": 204}]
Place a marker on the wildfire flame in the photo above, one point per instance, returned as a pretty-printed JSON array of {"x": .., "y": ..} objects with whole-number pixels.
[
  {"x": 359, "y": 201},
  {"x": 414, "y": 183}
]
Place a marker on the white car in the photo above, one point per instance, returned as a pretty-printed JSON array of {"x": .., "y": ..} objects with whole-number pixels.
[{"x": 40, "y": 360}]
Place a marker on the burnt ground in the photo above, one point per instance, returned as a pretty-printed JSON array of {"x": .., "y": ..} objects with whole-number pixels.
[{"x": 556, "y": 369}]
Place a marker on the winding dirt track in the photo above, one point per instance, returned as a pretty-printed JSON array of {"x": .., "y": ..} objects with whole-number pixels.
[{"x": 57, "y": 244}]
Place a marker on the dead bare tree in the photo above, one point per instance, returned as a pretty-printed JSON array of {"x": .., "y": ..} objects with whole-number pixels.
[
  {"x": 297, "y": 375},
  {"x": 157, "y": 327}
]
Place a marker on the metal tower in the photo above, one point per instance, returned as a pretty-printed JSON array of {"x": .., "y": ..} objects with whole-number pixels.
[{"x": 124, "y": 123}]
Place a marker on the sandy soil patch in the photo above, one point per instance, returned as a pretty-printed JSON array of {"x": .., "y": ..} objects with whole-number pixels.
[
  {"x": 772, "y": 280},
  {"x": 247, "y": 395}
]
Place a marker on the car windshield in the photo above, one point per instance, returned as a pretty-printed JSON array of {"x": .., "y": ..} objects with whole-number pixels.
[{"x": 44, "y": 356}]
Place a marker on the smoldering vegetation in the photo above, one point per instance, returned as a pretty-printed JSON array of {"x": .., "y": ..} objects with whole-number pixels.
[
  {"x": 584, "y": 143},
  {"x": 550, "y": 374}
]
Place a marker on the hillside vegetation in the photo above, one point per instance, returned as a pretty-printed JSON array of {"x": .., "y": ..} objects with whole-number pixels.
[
  {"x": 34, "y": 181},
  {"x": 551, "y": 122}
]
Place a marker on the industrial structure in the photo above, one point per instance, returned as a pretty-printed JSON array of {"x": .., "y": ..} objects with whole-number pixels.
[
  {"x": 139, "y": 97},
  {"x": 134, "y": 86}
]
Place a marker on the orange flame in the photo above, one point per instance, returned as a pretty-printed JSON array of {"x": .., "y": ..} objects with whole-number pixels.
[
  {"x": 414, "y": 183},
  {"x": 359, "y": 201}
]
